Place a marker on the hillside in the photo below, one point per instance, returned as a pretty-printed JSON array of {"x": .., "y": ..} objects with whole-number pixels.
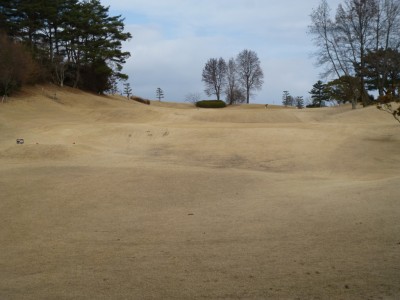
[{"x": 110, "y": 198}]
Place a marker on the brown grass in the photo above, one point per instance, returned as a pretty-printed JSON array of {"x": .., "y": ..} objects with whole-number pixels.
[{"x": 112, "y": 199}]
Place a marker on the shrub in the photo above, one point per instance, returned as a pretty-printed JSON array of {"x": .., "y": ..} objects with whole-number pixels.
[
  {"x": 141, "y": 100},
  {"x": 312, "y": 106},
  {"x": 211, "y": 104}
]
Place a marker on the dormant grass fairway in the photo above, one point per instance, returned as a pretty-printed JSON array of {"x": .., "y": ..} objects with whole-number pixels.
[{"x": 111, "y": 199}]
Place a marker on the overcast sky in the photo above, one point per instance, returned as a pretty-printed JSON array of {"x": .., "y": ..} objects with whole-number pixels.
[{"x": 173, "y": 39}]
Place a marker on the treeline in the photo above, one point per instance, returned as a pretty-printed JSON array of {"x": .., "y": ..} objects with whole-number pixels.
[
  {"x": 70, "y": 42},
  {"x": 335, "y": 92},
  {"x": 289, "y": 100},
  {"x": 359, "y": 46}
]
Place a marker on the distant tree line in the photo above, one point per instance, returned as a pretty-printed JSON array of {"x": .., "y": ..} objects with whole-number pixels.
[
  {"x": 70, "y": 42},
  {"x": 237, "y": 78},
  {"x": 289, "y": 100},
  {"x": 359, "y": 47},
  {"x": 335, "y": 91}
]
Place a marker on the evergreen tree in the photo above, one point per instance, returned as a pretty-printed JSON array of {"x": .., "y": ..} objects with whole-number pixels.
[
  {"x": 160, "y": 94},
  {"x": 77, "y": 41},
  {"x": 127, "y": 89},
  {"x": 319, "y": 94},
  {"x": 345, "y": 89},
  {"x": 287, "y": 99},
  {"x": 382, "y": 71},
  {"x": 299, "y": 102},
  {"x": 94, "y": 41}
]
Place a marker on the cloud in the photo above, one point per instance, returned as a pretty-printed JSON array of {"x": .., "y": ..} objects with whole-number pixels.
[{"x": 173, "y": 39}]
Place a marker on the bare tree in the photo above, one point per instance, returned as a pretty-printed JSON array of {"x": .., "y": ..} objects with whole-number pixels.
[
  {"x": 234, "y": 91},
  {"x": 359, "y": 26},
  {"x": 336, "y": 40},
  {"x": 60, "y": 66},
  {"x": 322, "y": 29},
  {"x": 214, "y": 76},
  {"x": 192, "y": 97},
  {"x": 354, "y": 22},
  {"x": 387, "y": 25},
  {"x": 250, "y": 73}
]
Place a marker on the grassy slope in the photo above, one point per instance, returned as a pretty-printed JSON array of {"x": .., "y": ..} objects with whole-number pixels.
[{"x": 109, "y": 198}]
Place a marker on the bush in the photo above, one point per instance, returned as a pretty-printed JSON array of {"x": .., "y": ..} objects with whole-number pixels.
[
  {"x": 141, "y": 100},
  {"x": 211, "y": 104}
]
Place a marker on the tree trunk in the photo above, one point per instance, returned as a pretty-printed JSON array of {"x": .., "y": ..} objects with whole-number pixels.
[
  {"x": 354, "y": 103},
  {"x": 77, "y": 78}
]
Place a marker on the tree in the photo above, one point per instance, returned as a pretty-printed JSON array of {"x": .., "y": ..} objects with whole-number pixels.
[
  {"x": 127, "y": 89},
  {"x": 234, "y": 92},
  {"x": 214, "y": 76},
  {"x": 113, "y": 86},
  {"x": 160, "y": 94},
  {"x": 17, "y": 66},
  {"x": 319, "y": 94},
  {"x": 94, "y": 39},
  {"x": 192, "y": 97},
  {"x": 382, "y": 71},
  {"x": 287, "y": 99},
  {"x": 75, "y": 42},
  {"x": 299, "y": 102},
  {"x": 249, "y": 72},
  {"x": 344, "y": 89},
  {"x": 358, "y": 26},
  {"x": 355, "y": 22}
]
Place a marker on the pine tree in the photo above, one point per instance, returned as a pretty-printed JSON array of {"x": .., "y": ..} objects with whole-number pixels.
[
  {"x": 319, "y": 94},
  {"x": 160, "y": 94},
  {"x": 78, "y": 38},
  {"x": 299, "y": 101},
  {"x": 127, "y": 89},
  {"x": 94, "y": 41},
  {"x": 287, "y": 99}
]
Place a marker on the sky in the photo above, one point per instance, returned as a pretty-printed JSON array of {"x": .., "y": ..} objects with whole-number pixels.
[{"x": 173, "y": 39}]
